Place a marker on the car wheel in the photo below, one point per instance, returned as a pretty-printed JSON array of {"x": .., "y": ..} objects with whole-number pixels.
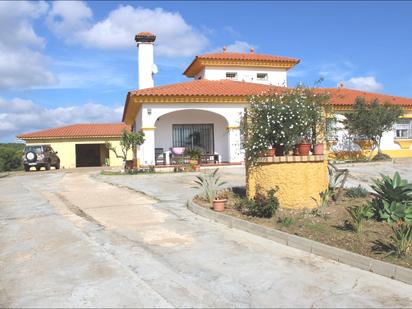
[
  {"x": 27, "y": 168},
  {"x": 57, "y": 166},
  {"x": 38, "y": 168},
  {"x": 47, "y": 166}
]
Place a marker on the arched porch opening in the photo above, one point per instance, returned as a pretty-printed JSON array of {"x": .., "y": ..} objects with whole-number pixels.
[{"x": 188, "y": 128}]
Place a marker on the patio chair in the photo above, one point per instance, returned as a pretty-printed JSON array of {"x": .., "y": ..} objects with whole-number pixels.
[{"x": 160, "y": 158}]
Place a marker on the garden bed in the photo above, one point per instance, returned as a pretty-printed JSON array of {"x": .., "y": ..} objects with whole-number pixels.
[{"x": 333, "y": 228}]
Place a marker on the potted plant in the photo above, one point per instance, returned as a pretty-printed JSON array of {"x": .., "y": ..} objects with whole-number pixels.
[
  {"x": 304, "y": 147},
  {"x": 210, "y": 184},
  {"x": 318, "y": 149},
  {"x": 193, "y": 154},
  {"x": 219, "y": 203}
]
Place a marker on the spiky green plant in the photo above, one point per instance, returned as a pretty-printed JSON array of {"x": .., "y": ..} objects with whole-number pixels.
[
  {"x": 393, "y": 189},
  {"x": 401, "y": 239},
  {"x": 209, "y": 184},
  {"x": 358, "y": 216}
]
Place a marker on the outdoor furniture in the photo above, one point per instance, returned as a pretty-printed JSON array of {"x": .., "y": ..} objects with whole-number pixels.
[
  {"x": 209, "y": 158},
  {"x": 160, "y": 156}
]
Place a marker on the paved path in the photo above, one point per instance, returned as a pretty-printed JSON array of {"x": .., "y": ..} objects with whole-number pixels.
[{"x": 68, "y": 239}]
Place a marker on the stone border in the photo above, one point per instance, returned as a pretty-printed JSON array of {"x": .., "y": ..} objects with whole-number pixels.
[{"x": 353, "y": 259}]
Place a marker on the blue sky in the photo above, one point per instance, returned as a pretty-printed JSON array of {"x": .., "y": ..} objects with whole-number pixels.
[{"x": 71, "y": 62}]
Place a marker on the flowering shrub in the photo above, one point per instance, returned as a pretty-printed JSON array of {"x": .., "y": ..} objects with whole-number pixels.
[{"x": 285, "y": 118}]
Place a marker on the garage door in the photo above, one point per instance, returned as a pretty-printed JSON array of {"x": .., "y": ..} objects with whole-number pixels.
[{"x": 88, "y": 155}]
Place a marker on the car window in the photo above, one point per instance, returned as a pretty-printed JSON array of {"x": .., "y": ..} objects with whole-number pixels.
[{"x": 36, "y": 149}]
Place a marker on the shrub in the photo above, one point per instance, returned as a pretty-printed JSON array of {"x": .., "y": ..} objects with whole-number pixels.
[
  {"x": 209, "y": 184},
  {"x": 401, "y": 239},
  {"x": 381, "y": 157},
  {"x": 358, "y": 215},
  {"x": 356, "y": 192},
  {"x": 11, "y": 157},
  {"x": 262, "y": 205}
]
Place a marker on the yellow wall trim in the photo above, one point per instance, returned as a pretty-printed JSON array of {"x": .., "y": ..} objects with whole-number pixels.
[
  {"x": 233, "y": 127},
  {"x": 404, "y": 143},
  {"x": 148, "y": 129}
]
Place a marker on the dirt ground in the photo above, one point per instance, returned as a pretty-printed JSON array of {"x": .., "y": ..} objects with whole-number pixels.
[{"x": 334, "y": 228}]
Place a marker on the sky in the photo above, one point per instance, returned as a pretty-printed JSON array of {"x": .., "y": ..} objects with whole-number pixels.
[{"x": 74, "y": 62}]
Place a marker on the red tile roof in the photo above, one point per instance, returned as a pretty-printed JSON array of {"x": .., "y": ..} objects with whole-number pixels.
[
  {"x": 205, "y": 87},
  {"x": 236, "y": 59},
  {"x": 247, "y": 56},
  {"x": 345, "y": 96},
  {"x": 79, "y": 131},
  {"x": 339, "y": 96}
]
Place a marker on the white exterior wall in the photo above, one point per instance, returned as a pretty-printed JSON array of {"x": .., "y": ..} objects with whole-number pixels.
[
  {"x": 277, "y": 77},
  {"x": 231, "y": 113},
  {"x": 145, "y": 66}
]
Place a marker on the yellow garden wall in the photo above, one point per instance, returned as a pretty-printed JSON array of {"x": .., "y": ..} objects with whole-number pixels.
[
  {"x": 299, "y": 182},
  {"x": 66, "y": 149}
]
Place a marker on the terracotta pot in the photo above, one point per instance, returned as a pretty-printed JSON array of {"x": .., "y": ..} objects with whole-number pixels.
[
  {"x": 318, "y": 149},
  {"x": 267, "y": 153},
  {"x": 271, "y": 152},
  {"x": 219, "y": 204},
  {"x": 304, "y": 149},
  {"x": 193, "y": 161},
  {"x": 196, "y": 168},
  {"x": 280, "y": 150}
]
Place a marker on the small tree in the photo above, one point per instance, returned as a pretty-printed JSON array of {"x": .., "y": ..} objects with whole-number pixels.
[
  {"x": 128, "y": 140},
  {"x": 372, "y": 120}
]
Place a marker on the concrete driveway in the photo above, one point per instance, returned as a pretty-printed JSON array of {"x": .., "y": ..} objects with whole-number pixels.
[{"x": 84, "y": 240}]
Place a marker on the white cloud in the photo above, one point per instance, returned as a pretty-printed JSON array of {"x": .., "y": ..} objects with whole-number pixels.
[
  {"x": 22, "y": 64},
  {"x": 19, "y": 116},
  {"x": 174, "y": 36},
  {"x": 68, "y": 16},
  {"x": 240, "y": 47},
  {"x": 366, "y": 83}
]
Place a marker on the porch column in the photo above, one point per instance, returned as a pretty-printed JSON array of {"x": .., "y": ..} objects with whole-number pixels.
[
  {"x": 235, "y": 154},
  {"x": 147, "y": 150}
]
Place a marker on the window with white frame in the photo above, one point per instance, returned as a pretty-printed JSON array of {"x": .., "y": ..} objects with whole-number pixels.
[
  {"x": 231, "y": 75},
  {"x": 262, "y": 76},
  {"x": 403, "y": 128}
]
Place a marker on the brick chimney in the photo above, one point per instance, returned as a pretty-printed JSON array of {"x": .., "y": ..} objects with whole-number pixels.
[{"x": 147, "y": 68}]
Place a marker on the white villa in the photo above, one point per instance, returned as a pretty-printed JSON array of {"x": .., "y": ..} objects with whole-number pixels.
[{"x": 205, "y": 112}]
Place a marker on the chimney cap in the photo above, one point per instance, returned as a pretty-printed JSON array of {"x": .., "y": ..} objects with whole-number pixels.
[
  {"x": 224, "y": 49},
  {"x": 252, "y": 50},
  {"x": 142, "y": 37}
]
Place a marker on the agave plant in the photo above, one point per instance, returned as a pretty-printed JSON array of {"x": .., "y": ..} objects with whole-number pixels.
[
  {"x": 358, "y": 215},
  {"x": 209, "y": 184},
  {"x": 393, "y": 189},
  {"x": 401, "y": 239},
  {"x": 396, "y": 212}
]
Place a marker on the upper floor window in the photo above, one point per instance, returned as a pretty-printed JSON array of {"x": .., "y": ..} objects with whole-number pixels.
[
  {"x": 403, "y": 128},
  {"x": 231, "y": 75},
  {"x": 262, "y": 76}
]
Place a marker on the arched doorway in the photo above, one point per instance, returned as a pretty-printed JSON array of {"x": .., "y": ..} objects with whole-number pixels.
[{"x": 193, "y": 128}]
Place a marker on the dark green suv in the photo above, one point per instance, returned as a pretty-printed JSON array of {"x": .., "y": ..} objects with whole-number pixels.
[{"x": 40, "y": 156}]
